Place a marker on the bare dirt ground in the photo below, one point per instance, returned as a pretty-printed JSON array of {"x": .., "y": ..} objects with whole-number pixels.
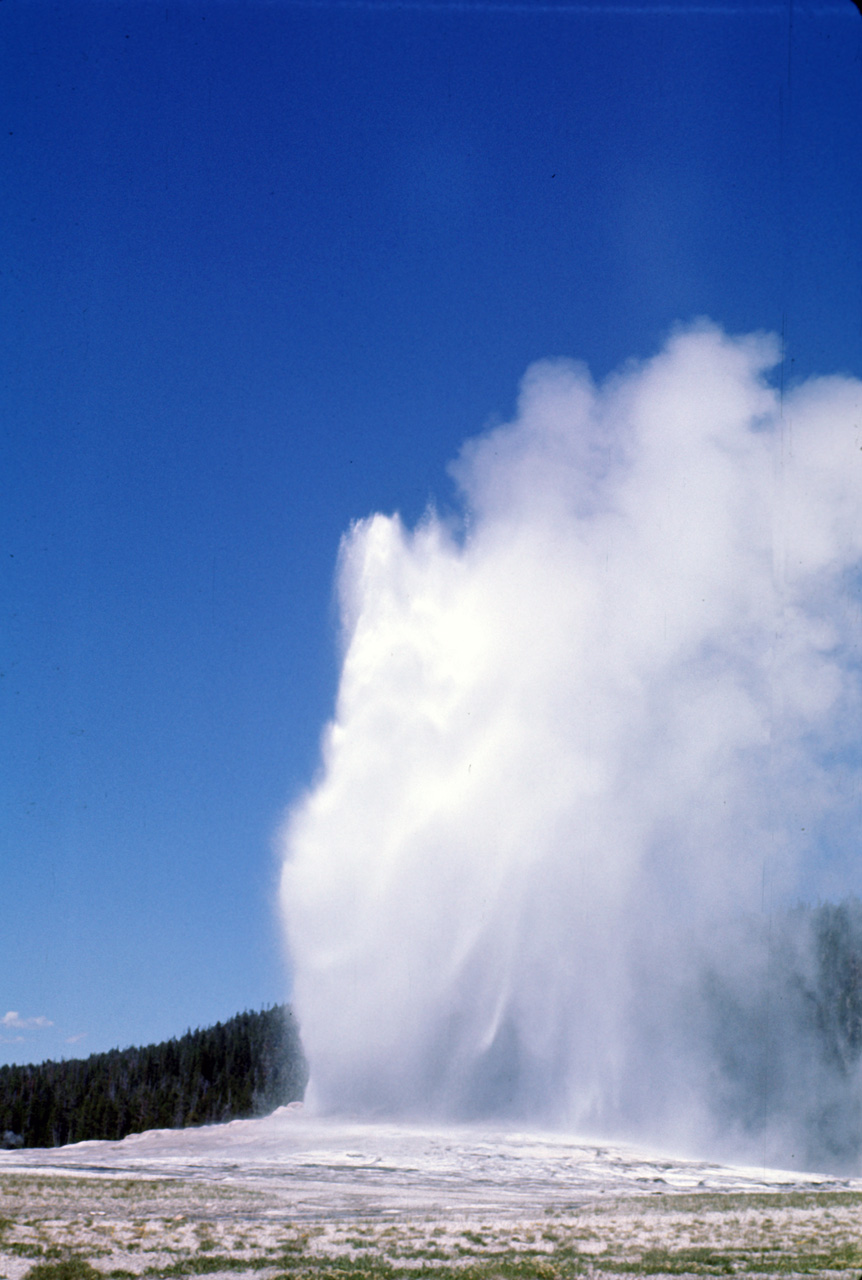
[{"x": 296, "y": 1200}]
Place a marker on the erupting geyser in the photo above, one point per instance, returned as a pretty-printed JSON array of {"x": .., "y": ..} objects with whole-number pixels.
[{"x": 590, "y": 741}]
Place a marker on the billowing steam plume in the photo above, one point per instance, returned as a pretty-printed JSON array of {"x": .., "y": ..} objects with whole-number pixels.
[{"x": 590, "y": 741}]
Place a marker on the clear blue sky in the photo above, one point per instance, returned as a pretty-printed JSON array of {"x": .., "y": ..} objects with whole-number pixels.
[{"x": 264, "y": 267}]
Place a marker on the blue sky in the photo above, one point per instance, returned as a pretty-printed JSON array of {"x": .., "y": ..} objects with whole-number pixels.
[{"x": 264, "y": 268}]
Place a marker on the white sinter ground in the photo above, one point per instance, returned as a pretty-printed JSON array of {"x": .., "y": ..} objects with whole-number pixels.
[
  {"x": 293, "y": 1196},
  {"x": 329, "y": 1167}
]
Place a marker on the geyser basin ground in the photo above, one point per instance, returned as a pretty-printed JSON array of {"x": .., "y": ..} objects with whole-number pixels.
[{"x": 293, "y": 1195}]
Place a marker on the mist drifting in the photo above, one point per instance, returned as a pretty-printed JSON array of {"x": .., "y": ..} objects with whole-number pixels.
[{"x": 589, "y": 740}]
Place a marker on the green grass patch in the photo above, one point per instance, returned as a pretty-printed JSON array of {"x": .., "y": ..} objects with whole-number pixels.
[
  {"x": 670, "y": 1262},
  {"x": 73, "y": 1267},
  {"x": 206, "y": 1264},
  {"x": 25, "y": 1249},
  {"x": 725, "y": 1202}
]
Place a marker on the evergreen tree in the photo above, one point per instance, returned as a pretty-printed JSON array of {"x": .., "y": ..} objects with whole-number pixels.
[{"x": 244, "y": 1067}]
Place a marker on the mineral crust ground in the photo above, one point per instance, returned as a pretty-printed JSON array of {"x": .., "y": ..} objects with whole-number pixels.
[{"x": 296, "y": 1197}]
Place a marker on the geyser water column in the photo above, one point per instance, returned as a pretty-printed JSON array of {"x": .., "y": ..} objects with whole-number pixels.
[{"x": 571, "y": 729}]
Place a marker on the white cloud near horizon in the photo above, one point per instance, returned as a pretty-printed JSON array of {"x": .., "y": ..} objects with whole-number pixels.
[{"x": 14, "y": 1020}]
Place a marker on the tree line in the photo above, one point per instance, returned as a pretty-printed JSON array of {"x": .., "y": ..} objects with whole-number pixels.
[{"x": 244, "y": 1067}]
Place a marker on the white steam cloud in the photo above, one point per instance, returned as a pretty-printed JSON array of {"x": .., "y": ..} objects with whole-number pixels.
[{"x": 585, "y": 740}]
